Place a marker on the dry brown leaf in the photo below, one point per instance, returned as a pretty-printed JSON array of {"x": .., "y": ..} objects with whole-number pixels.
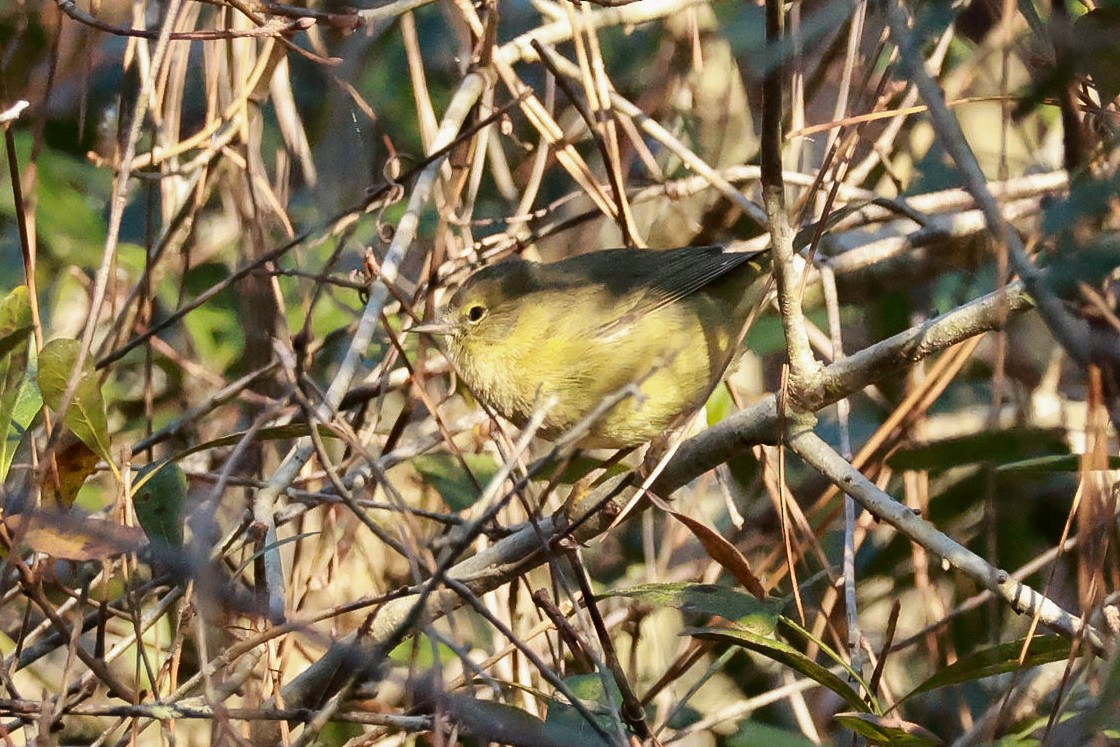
[{"x": 68, "y": 537}]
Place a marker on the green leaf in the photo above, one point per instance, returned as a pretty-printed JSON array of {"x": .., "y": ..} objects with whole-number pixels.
[
  {"x": 589, "y": 688},
  {"x": 70, "y": 196},
  {"x": 564, "y": 720},
  {"x": 1087, "y": 262},
  {"x": 1089, "y": 197},
  {"x": 578, "y": 467},
  {"x": 709, "y": 599},
  {"x": 422, "y": 652},
  {"x": 284, "y": 432},
  {"x": 1106, "y": 714},
  {"x": 28, "y": 404},
  {"x": 216, "y": 333},
  {"x": 339, "y": 734},
  {"x": 159, "y": 496},
  {"x": 719, "y": 405},
  {"x": 807, "y": 232},
  {"x": 996, "y": 660},
  {"x": 786, "y": 655},
  {"x": 248, "y": 562},
  {"x": 446, "y": 474},
  {"x": 765, "y": 336},
  {"x": 755, "y": 734},
  {"x": 15, "y": 320},
  {"x": 824, "y": 649},
  {"x": 989, "y": 447},
  {"x": 888, "y": 730},
  {"x": 1097, "y": 51},
  {"x": 215, "y": 330},
  {"x": 1058, "y": 463},
  {"x": 509, "y": 725},
  {"x": 15, "y": 328},
  {"x": 86, "y": 414}
]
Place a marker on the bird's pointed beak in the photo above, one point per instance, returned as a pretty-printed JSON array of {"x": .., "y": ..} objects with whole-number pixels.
[{"x": 440, "y": 326}]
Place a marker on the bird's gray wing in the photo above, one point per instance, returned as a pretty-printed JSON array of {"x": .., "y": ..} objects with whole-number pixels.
[{"x": 679, "y": 275}]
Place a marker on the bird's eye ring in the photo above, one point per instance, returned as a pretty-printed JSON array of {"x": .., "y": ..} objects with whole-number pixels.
[{"x": 475, "y": 313}]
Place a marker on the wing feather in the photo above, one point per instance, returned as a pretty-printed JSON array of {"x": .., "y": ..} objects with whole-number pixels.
[{"x": 685, "y": 272}]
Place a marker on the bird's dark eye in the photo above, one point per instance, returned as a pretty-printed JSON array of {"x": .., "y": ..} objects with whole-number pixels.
[{"x": 475, "y": 313}]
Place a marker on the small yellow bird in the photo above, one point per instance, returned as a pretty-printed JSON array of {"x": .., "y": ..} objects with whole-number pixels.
[{"x": 585, "y": 327}]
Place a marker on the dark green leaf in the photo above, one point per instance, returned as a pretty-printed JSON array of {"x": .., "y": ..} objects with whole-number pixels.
[
  {"x": 756, "y": 734},
  {"x": 888, "y": 730},
  {"x": 1089, "y": 263},
  {"x": 824, "y": 648},
  {"x": 765, "y": 335},
  {"x": 806, "y": 233},
  {"x": 1089, "y": 197},
  {"x": 508, "y": 725},
  {"x": 786, "y": 655},
  {"x": 446, "y": 474},
  {"x": 564, "y": 719},
  {"x": 1107, "y": 711},
  {"x": 989, "y": 447},
  {"x": 1063, "y": 463},
  {"x": 996, "y": 660},
  {"x": 159, "y": 497},
  {"x": 273, "y": 433},
  {"x": 1097, "y": 50},
  {"x": 579, "y": 467},
  {"x": 709, "y": 599}
]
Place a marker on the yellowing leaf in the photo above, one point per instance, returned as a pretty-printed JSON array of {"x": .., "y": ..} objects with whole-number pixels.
[
  {"x": 73, "y": 463},
  {"x": 888, "y": 730},
  {"x": 69, "y": 537}
]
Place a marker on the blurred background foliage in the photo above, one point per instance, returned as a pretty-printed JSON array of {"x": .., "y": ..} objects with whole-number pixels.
[{"x": 275, "y": 160}]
